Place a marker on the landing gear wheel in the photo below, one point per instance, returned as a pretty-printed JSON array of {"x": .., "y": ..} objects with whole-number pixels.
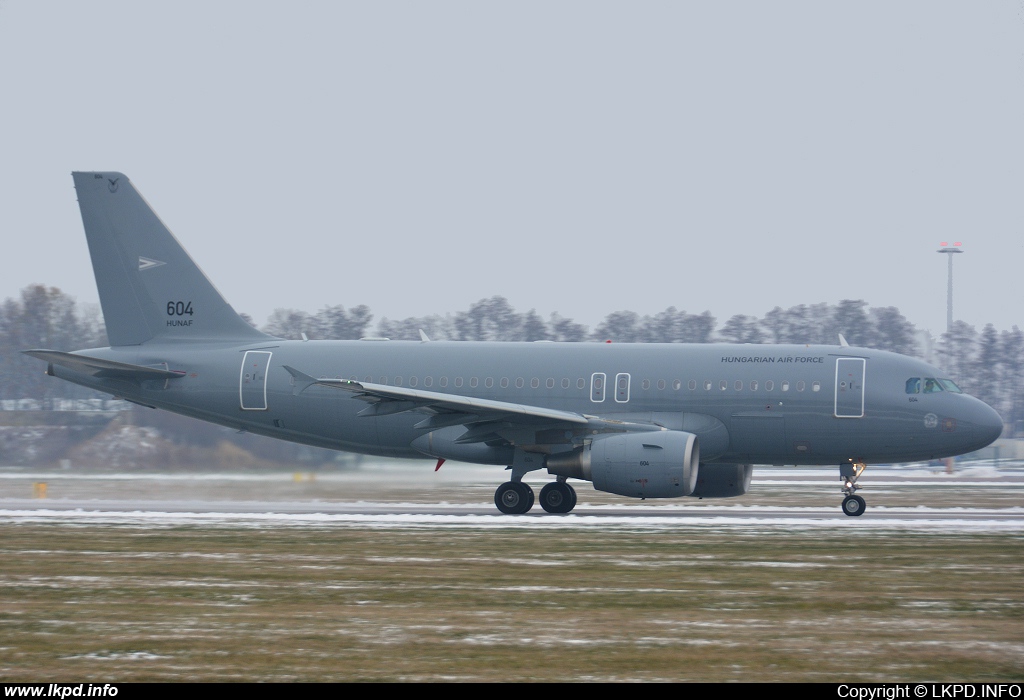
[
  {"x": 557, "y": 497},
  {"x": 854, "y": 505},
  {"x": 514, "y": 498}
]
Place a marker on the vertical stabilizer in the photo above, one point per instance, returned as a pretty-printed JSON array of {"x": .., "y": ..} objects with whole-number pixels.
[{"x": 149, "y": 286}]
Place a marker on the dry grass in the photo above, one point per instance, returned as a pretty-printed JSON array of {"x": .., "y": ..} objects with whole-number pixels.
[{"x": 340, "y": 603}]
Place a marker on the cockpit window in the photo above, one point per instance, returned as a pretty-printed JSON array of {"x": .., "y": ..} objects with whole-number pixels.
[
  {"x": 914, "y": 385},
  {"x": 948, "y": 385},
  {"x": 931, "y": 385}
]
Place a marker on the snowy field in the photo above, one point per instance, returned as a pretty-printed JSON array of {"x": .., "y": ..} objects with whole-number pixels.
[{"x": 395, "y": 572}]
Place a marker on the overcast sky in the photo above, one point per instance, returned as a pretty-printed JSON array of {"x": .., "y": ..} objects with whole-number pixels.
[{"x": 578, "y": 157}]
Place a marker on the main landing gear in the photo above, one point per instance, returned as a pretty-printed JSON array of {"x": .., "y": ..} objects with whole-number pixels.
[
  {"x": 853, "y": 505},
  {"x": 516, "y": 498},
  {"x": 558, "y": 497}
]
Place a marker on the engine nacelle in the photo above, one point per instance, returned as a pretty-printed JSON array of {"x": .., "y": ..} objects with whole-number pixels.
[
  {"x": 659, "y": 464},
  {"x": 723, "y": 480}
]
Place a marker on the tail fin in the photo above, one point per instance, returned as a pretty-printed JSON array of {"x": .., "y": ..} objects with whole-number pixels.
[{"x": 149, "y": 286}]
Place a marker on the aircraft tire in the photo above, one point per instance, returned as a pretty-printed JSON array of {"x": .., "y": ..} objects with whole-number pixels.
[
  {"x": 557, "y": 497},
  {"x": 854, "y": 506},
  {"x": 513, "y": 498}
]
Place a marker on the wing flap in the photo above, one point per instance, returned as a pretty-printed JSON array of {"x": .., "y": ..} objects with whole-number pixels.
[{"x": 474, "y": 409}]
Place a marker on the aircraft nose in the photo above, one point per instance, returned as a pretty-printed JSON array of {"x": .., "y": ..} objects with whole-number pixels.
[{"x": 988, "y": 425}]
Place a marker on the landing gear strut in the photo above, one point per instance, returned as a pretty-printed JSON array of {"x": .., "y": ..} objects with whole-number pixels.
[
  {"x": 516, "y": 498},
  {"x": 853, "y": 505}
]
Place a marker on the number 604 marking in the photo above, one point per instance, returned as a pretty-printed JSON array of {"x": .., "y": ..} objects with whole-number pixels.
[{"x": 179, "y": 308}]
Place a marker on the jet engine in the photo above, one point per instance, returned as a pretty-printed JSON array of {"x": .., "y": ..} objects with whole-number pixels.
[
  {"x": 723, "y": 480},
  {"x": 659, "y": 464}
]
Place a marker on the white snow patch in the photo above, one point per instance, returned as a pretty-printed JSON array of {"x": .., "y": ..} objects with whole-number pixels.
[{"x": 949, "y": 521}]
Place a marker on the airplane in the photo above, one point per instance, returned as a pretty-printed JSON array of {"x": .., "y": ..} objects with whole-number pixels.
[{"x": 639, "y": 420}]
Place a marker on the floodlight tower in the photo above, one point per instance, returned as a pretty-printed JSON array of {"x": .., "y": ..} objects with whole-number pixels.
[{"x": 950, "y": 250}]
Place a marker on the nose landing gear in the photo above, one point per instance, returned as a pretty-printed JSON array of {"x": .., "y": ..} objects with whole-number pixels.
[{"x": 853, "y": 505}]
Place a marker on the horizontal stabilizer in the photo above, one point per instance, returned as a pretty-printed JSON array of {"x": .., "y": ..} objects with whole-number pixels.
[{"x": 103, "y": 368}]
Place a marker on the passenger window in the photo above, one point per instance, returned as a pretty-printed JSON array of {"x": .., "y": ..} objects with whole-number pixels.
[
  {"x": 428, "y": 381},
  {"x": 489, "y": 382},
  {"x": 550, "y": 383},
  {"x": 473, "y": 381},
  {"x": 368, "y": 380},
  {"x": 520, "y": 382},
  {"x": 769, "y": 385},
  {"x": 815, "y": 386},
  {"x": 914, "y": 385},
  {"x": 504, "y": 382},
  {"x": 646, "y": 384},
  {"x": 801, "y": 385},
  {"x": 723, "y": 385},
  {"x": 931, "y": 386},
  {"x": 398, "y": 381},
  {"x": 753, "y": 385},
  {"x": 383, "y": 380},
  {"x": 458, "y": 382},
  {"x": 565, "y": 382},
  {"x": 443, "y": 381},
  {"x": 581, "y": 383},
  {"x": 707, "y": 385},
  {"x": 738, "y": 385},
  {"x": 661, "y": 384},
  {"x": 785, "y": 386},
  {"x": 413, "y": 381},
  {"x": 691, "y": 385}
]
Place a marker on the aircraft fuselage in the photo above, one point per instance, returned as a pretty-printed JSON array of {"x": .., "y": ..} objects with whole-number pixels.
[{"x": 779, "y": 404}]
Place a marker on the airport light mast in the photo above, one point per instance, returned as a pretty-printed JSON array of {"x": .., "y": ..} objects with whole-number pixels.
[{"x": 950, "y": 250}]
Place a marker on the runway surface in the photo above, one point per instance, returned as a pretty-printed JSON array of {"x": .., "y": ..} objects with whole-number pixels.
[{"x": 399, "y": 494}]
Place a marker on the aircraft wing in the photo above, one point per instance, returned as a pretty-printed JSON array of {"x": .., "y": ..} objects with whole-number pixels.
[
  {"x": 103, "y": 368},
  {"x": 483, "y": 417}
]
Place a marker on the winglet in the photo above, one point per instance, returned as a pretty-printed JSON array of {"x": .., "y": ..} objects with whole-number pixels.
[
  {"x": 842, "y": 341},
  {"x": 423, "y": 336},
  {"x": 300, "y": 380}
]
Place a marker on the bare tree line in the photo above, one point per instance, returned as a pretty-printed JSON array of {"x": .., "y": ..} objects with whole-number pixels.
[{"x": 988, "y": 364}]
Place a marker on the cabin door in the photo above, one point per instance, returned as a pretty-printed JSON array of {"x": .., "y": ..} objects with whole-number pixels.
[
  {"x": 850, "y": 387},
  {"x": 252, "y": 381}
]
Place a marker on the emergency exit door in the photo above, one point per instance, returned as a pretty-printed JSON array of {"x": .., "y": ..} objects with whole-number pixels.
[{"x": 252, "y": 382}]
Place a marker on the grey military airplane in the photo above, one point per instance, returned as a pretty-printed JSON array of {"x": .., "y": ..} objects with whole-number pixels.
[{"x": 639, "y": 420}]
